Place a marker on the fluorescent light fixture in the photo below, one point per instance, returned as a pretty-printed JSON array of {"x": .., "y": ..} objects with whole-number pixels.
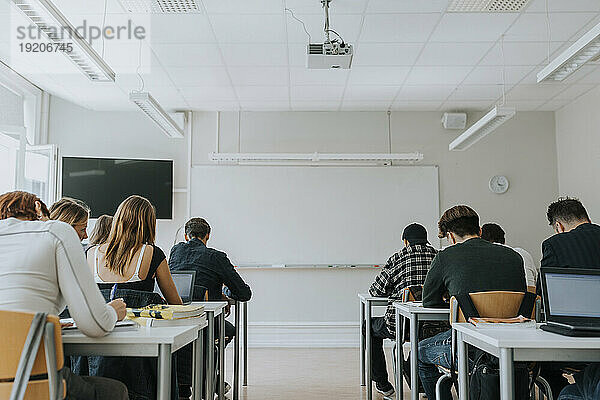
[
  {"x": 314, "y": 157},
  {"x": 582, "y": 51},
  {"x": 153, "y": 110},
  {"x": 58, "y": 29},
  {"x": 161, "y": 6},
  {"x": 486, "y": 125}
]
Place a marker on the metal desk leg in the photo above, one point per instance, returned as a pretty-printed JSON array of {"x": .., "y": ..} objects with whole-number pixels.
[
  {"x": 222, "y": 356},
  {"x": 245, "y": 313},
  {"x": 198, "y": 365},
  {"x": 399, "y": 359},
  {"x": 210, "y": 358},
  {"x": 414, "y": 356},
  {"x": 236, "y": 355},
  {"x": 164, "y": 372},
  {"x": 362, "y": 344},
  {"x": 463, "y": 372},
  {"x": 369, "y": 354},
  {"x": 507, "y": 374}
]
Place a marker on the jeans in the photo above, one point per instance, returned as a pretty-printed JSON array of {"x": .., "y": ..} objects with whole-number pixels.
[
  {"x": 586, "y": 386},
  {"x": 93, "y": 387},
  {"x": 379, "y": 331},
  {"x": 433, "y": 352}
]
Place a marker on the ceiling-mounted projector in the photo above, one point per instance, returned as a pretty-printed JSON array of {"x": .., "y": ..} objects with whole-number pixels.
[{"x": 332, "y": 53}]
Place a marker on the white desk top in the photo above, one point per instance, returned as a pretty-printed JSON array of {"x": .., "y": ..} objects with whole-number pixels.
[
  {"x": 137, "y": 335},
  {"x": 529, "y": 338},
  {"x": 215, "y": 307},
  {"x": 414, "y": 307},
  {"x": 366, "y": 297}
]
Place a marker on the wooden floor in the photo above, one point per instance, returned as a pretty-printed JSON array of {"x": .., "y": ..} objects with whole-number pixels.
[{"x": 302, "y": 374}]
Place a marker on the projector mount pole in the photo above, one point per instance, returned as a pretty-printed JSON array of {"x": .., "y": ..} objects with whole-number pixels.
[{"x": 325, "y": 4}]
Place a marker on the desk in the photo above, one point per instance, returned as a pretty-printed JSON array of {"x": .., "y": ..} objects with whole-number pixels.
[
  {"x": 415, "y": 313},
  {"x": 367, "y": 302},
  {"x": 519, "y": 344},
  {"x": 214, "y": 309},
  {"x": 240, "y": 308},
  {"x": 160, "y": 342}
]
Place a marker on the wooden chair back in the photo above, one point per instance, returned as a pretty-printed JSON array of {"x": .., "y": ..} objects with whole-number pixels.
[
  {"x": 412, "y": 293},
  {"x": 496, "y": 304},
  {"x": 14, "y": 327}
]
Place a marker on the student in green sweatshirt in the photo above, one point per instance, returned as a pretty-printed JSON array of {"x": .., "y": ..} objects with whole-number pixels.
[{"x": 469, "y": 265}]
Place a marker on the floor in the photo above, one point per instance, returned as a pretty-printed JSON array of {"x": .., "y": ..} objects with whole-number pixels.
[{"x": 300, "y": 374}]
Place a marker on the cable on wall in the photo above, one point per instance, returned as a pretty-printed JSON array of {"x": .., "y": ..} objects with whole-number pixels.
[
  {"x": 299, "y": 20},
  {"x": 137, "y": 70},
  {"x": 548, "y": 28},
  {"x": 503, "y": 70},
  {"x": 103, "y": 27}
]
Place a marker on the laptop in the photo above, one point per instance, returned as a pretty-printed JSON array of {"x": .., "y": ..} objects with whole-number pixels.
[
  {"x": 571, "y": 298},
  {"x": 184, "y": 282}
]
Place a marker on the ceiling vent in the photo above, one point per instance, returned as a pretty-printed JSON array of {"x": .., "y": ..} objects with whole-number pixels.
[
  {"x": 161, "y": 6},
  {"x": 487, "y": 6}
]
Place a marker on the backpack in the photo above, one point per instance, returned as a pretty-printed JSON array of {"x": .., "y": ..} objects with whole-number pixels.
[{"x": 485, "y": 374}]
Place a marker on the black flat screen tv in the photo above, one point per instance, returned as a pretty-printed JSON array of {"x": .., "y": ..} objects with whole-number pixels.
[{"x": 103, "y": 183}]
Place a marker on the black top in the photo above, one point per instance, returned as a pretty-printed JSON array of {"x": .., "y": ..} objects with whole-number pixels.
[
  {"x": 578, "y": 248},
  {"x": 213, "y": 269},
  {"x": 475, "y": 265},
  {"x": 146, "y": 285}
]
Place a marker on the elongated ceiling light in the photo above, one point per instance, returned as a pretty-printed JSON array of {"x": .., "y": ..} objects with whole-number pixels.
[
  {"x": 314, "y": 157},
  {"x": 56, "y": 26},
  {"x": 585, "y": 49},
  {"x": 486, "y": 125},
  {"x": 152, "y": 109}
]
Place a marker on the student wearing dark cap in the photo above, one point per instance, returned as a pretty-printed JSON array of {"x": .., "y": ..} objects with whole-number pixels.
[{"x": 408, "y": 267}]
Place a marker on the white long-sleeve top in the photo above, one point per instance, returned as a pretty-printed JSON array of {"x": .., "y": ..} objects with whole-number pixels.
[{"x": 43, "y": 269}]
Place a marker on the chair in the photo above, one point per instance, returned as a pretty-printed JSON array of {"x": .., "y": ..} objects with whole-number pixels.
[
  {"x": 45, "y": 380},
  {"x": 495, "y": 304}
]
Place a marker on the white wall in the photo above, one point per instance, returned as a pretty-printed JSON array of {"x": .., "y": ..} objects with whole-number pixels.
[
  {"x": 578, "y": 148},
  {"x": 11, "y": 108},
  {"x": 319, "y": 307}
]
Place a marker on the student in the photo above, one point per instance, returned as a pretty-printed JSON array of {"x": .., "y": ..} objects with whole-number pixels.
[
  {"x": 404, "y": 269},
  {"x": 469, "y": 265},
  {"x": 576, "y": 244},
  {"x": 213, "y": 270},
  {"x": 74, "y": 212},
  {"x": 42, "y": 269},
  {"x": 495, "y": 234},
  {"x": 129, "y": 257},
  {"x": 101, "y": 230}
]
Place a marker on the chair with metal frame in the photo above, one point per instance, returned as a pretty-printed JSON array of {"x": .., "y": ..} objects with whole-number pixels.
[{"x": 32, "y": 353}]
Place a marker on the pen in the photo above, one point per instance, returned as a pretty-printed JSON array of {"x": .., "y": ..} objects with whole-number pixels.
[{"x": 113, "y": 291}]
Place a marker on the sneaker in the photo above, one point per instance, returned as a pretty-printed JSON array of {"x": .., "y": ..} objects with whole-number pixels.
[{"x": 385, "y": 388}]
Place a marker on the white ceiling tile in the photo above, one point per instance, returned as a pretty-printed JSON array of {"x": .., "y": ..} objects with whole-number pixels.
[
  {"x": 347, "y": 25},
  {"x": 297, "y": 54},
  {"x": 268, "y": 54},
  {"x": 437, "y": 75},
  {"x": 486, "y": 75},
  {"x": 181, "y": 28},
  {"x": 263, "y": 93},
  {"x": 370, "y": 92},
  {"x": 416, "y": 105},
  {"x": 406, "y": 6},
  {"x": 453, "y": 53},
  {"x": 208, "y": 93},
  {"x": 152, "y": 78},
  {"x": 564, "y": 6},
  {"x": 574, "y": 91},
  {"x": 243, "y": 7},
  {"x": 365, "y": 106},
  {"x": 425, "y": 92},
  {"x": 471, "y": 27},
  {"x": 335, "y": 7},
  {"x": 305, "y": 76},
  {"x": 378, "y": 75},
  {"x": 317, "y": 93},
  {"x": 188, "y": 55},
  {"x": 526, "y": 105},
  {"x": 129, "y": 55},
  {"x": 520, "y": 53},
  {"x": 214, "y": 106},
  {"x": 544, "y": 91},
  {"x": 70, "y": 7},
  {"x": 273, "y": 76},
  {"x": 374, "y": 54},
  {"x": 589, "y": 74},
  {"x": 315, "y": 105},
  {"x": 476, "y": 92},
  {"x": 553, "y": 105},
  {"x": 265, "y": 106},
  {"x": 461, "y": 105},
  {"x": 198, "y": 76},
  {"x": 249, "y": 28},
  {"x": 398, "y": 27},
  {"x": 532, "y": 27}
]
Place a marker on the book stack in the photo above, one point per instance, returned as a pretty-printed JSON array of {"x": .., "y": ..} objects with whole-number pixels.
[{"x": 167, "y": 315}]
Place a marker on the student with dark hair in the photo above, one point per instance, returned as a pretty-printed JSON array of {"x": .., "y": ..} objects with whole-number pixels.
[
  {"x": 408, "y": 267},
  {"x": 576, "y": 244},
  {"x": 494, "y": 233},
  {"x": 469, "y": 265},
  {"x": 213, "y": 271}
]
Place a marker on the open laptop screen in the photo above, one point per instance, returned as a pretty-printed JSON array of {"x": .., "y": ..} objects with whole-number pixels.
[
  {"x": 573, "y": 295},
  {"x": 184, "y": 283}
]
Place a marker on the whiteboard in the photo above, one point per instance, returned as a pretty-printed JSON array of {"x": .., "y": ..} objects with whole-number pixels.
[{"x": 269, "y": 215}]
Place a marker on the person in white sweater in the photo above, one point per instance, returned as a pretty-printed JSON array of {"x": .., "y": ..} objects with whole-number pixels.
[{"x": 43, "y": 269}]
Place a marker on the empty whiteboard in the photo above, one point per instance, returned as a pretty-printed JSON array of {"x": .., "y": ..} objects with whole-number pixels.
[{"x": 313, "y": 215}]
